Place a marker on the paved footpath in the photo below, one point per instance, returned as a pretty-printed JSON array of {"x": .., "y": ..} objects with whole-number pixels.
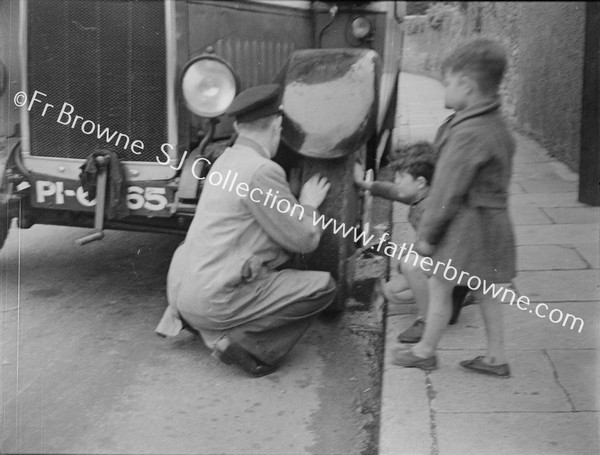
[{"x": 550, "y": 404}]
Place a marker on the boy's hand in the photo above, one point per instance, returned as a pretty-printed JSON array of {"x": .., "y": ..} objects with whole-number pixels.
[
  {"x": 424, "y": 248},
  {"x": 314, "y": 191},
  {"x": 359, "y": 175}
]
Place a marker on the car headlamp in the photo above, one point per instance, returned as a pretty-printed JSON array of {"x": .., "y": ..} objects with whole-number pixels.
[
  {"x": 209, "y": 86},
  {"x": 361, "y": 27}
]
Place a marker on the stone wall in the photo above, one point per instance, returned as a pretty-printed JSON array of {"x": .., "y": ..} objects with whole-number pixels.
[
  {"x": 549, "y": 90},
  {"x": 543, "y": 86},
  {"x": 424, "y": 46}
]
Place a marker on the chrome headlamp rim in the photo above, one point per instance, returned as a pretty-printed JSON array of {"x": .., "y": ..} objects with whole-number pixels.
[
  {"x": 353, "y": 28},
  {"x": 191, "y": 62}
]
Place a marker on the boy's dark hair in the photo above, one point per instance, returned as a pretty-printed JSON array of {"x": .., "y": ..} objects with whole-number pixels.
[
  {"x": 417, "y": 159},
  {"x": 483, "y": 59}
]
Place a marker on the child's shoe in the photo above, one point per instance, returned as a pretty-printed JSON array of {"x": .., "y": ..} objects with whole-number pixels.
[
  {"x": 478, "y": 365},
  {"x": 406, "y": 358},
  {"x": 414, "y": 333}
]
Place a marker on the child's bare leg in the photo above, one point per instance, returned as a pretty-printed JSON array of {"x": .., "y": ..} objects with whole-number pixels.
[
  {"x": 493, "y": 316},
  {"x": 397, "y": 289},
  {"x": 418, "y": 283},
  {"x": 417, "y": 280},
  {"x": 438, "y": 315}
]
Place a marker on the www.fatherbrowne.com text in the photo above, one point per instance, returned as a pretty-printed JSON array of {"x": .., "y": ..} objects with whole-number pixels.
[{"x": 403, "y": 252}]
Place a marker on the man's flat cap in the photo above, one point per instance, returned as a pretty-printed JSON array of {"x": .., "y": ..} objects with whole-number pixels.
[{"x": 256, "y": 102}]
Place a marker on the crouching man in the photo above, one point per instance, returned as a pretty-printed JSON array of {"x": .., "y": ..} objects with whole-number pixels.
[{"x": 226, "y": 280}]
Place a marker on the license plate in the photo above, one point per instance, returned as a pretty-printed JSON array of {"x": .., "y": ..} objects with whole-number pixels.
[{"x": 148, "y": 198}]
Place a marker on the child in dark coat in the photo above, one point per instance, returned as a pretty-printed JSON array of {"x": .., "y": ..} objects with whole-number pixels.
[{"x": 465, "y": 227}]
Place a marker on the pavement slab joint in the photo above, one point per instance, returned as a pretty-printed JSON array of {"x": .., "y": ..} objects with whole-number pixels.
[
  {"x": 431, "y": 393},
  {"x": 557, "y": 380}
]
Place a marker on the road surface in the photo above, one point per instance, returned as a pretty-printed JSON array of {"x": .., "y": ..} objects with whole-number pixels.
[{"x": 83, "y": 371}]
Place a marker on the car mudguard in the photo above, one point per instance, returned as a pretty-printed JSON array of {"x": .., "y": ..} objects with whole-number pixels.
[{"x": 330, "y": 101}]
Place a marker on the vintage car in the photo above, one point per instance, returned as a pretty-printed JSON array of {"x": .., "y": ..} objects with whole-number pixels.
[{"x": 151, "y": 80}]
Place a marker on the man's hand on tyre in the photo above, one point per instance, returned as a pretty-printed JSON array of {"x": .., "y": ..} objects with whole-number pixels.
[{"x": 314, "y": 191}]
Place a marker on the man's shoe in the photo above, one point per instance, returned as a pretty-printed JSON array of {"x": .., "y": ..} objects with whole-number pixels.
[
  {"x": 406, "y": 358},
  {"x": 229, "y": 352},
  {"x": 477, "y": 365},
  {"x": 414, "y": 333},
  {"x": 188, "y": 327}
]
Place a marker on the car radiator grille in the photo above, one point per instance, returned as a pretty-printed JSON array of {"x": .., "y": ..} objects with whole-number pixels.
[{"x": 107, "y": 59}]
